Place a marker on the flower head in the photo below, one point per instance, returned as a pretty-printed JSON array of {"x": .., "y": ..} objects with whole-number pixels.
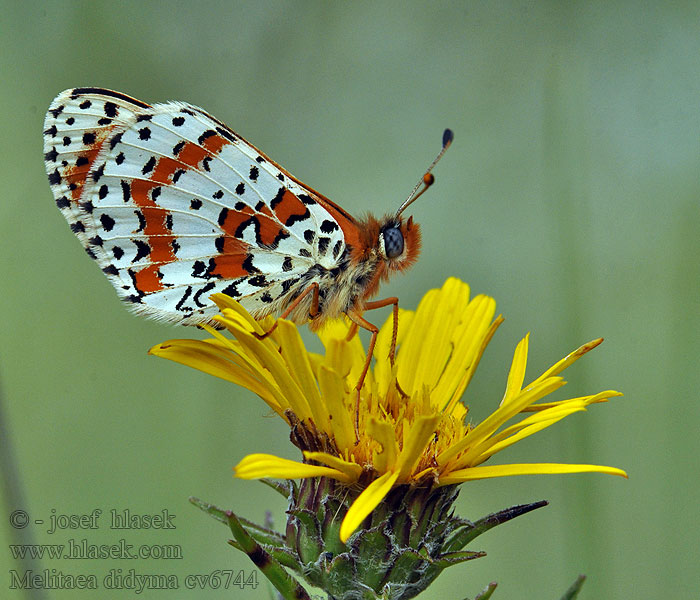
[{"x": 413, "y": 430}]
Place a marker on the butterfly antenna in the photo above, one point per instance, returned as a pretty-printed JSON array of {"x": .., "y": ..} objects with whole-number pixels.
[{"x": 428, "y": 179}]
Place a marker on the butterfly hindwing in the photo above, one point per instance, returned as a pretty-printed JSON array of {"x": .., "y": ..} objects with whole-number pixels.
[{"x": 174, "y": 206}]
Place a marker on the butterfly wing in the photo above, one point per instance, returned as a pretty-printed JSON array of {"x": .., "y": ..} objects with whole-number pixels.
[{"x": 174, "y": 207}]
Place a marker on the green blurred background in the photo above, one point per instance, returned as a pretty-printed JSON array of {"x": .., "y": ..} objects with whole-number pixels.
[{"x": 571, "y": 194}]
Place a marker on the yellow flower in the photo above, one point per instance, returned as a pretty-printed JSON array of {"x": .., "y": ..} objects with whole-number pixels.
[{"x": 412, "y": 426}]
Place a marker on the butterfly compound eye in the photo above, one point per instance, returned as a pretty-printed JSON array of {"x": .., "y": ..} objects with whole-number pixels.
[{"x": 392, "y": 239}]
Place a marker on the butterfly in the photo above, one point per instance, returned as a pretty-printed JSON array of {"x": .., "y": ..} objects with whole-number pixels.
[{"x": 174, "y": 206}]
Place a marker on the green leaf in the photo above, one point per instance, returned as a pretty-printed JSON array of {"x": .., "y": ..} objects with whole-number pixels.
[
  {"x": 282, "y": 487},
  {"x": 468, "y": 531},
  {"x": 213, "y": 511},
  {"x": 454, "y": 558},
  {"x": 485, "y": 594},
  {"x": 283, "y": 581},
  {"x": 261, "y": 534},
  {"x": 575, "y": 588}
]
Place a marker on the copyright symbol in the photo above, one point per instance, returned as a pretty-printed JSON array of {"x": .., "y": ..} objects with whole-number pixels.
[{"x": 19, "y": 519}]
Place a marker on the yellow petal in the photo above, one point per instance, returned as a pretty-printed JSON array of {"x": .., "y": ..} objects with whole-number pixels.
[
  {"x": 299, "y": 367},
  {"x": 569, "y": 359},
  {"x": 491, "y": 423},
  {"x": 278, "y": 369},
  {"x": 210, "y": 358},
  {"x": 516, "y": 376},
  {"x": 420, "y": 433},
  {"x": 333, "y": 391},
  {"x": 352, "y": 470},
  {"x": 427, "y": 345},
  {"x": 366, "y": 502},
  {"x": 469, "y": 341},
  {"x": 225, "y": 302},
  {"x": 474, "y": 473},
  {"x": 384, "y": 433},
  {"x": 257, "y": 466}
]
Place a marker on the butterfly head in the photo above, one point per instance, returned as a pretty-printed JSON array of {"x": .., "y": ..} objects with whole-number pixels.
[{"x": 398, "y": 242}]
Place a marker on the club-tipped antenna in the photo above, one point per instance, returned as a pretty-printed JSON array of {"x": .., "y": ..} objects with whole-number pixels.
[{"x": 428, "y": 179}]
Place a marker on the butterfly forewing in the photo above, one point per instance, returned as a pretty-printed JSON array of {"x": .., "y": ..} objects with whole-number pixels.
[{"x": 174, "y": 207}]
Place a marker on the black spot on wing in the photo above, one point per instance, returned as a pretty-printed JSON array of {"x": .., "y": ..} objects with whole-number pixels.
[
  {"x": 111, "y": 109},
  {"x": 142, "y": 220},
  {"x": 142, "y": 250},
  {"x": 232, "y": 290},
  {"x": 323, "y": 243},
  {"x": 97, "y": 173},
  {"x": 55, "y": 178},
  {"x": 249, "y": 266},
  {"x": 149, "y": 166},
  {"x": 227, "y": 134},
  {"x": 183, "y": 299},
  {"x": 329, "y": 226},
  {"x": 116, "y": 138},
  {"x": 207, "y": 134},
  {"x": 208, "y": 287},
  {"x": 258, "y": 281},
  {"x": 295, "y": 218},
  {"x": 278, "y": 197},
  {"x": 107, "y": 222}
]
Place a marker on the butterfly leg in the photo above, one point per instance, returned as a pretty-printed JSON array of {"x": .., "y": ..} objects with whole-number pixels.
[
  {"x": 359, "y": 321},
  {"x": 394, "y": 302},
  {"x": 312, "y": 289}
]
